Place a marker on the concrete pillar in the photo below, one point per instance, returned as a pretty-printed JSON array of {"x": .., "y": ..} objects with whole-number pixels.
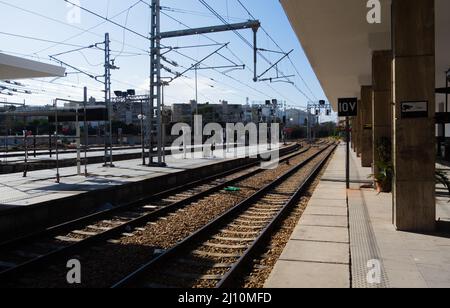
[
  {"x": 359, "y": 132},
  {"x": 413, "y": 32},
  {"x": 382, "y": 99},
  {"x": 366, "y": 126},
  {"x": 353, "y": 135},
  {"x": 353, "y": 126}
]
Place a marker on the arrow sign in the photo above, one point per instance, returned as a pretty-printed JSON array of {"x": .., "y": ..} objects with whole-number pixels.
[{"x": 348, "y": 107}]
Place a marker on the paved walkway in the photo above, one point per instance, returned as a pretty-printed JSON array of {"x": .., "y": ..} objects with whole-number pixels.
[
  {"x": 338, "y": 244},
  {"x": 40, "y": 186}
]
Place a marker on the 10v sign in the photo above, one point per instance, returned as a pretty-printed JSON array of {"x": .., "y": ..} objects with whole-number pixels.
[{"x": 347, "y": 107}]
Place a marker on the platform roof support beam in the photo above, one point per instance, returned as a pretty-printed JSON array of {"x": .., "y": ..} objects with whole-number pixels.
[{"x": 414, "y": 142}]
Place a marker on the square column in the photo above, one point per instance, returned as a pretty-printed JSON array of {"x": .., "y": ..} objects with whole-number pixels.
[
  {"x": 366, "y": 126},
  {"x": 414, "y": 137},
  {"x": 355, "y": 132},
  {"x": 359, "y": 134},
  {"x": 353, "y": 135},
  {"x": 382, "y": 99}
]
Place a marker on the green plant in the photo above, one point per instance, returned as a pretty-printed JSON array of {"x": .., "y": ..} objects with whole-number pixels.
[
  {"x": 384, "y": 170},
  {"x": 442, "y": 178}
]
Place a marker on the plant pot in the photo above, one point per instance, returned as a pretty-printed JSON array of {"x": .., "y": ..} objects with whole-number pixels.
[{"x": 384, "y": 186}]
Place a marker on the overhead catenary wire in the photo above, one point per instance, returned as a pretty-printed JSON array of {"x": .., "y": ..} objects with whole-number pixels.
[
  {"x": 281, "y": 49},
  {"x": 234, "y": 55},
  {"x": 196, "y": 13},
  {"x": 250, "y": 45},
  {"x": 89, "y": 30},
  {"x": 64, "y": 24},
  {"x": 127, "y": 29},
  {"x": 108, "y": 20},
  {"x": 39, "y": 39},
  {"x": 57, "y": 43}
]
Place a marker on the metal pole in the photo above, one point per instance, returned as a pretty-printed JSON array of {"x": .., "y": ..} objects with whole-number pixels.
[
  {"x": 285, "y": 124},
  {"x": 155, "y": 80},
  {"x": 86, "y": 133},
  {"x": 50, "y": 144},
  {"x": 58, "y": 180},
  {"x": 196, "y": 90},
  {"x": 142, "y": 133},
  {"x": 108, "y": 101},
  {"x": 25, "y": 143},
  {"x": 163, "y": 125},
  {"x": 6, "y": 144},
  {"x": 158, "y": 81},
  {"x": 347, "y": 128},
  {"x": 308, "y": 127},
  {"x": 153, "y": 65},
  {"x": 78, "y": 133},
  {"x": 25, "y": 146},
  {"x": 255, "y": 54},
  {"x": 34, "y": 143}
]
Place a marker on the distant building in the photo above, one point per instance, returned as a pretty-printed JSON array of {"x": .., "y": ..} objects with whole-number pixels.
[
  {"x": 296, "y": 117},
  {"x": 219, "y": 113}
]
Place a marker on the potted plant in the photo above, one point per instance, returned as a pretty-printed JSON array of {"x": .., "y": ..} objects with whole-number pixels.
[
  {"x": 442, "y": 178},
  {"x": 383, "y": 176},
  {"x": 384, "y": 170}
]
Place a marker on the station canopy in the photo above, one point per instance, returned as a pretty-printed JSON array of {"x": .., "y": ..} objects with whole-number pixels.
[
  {"x": 13, "y": 68},
  {"x": 339, "y": 41}
]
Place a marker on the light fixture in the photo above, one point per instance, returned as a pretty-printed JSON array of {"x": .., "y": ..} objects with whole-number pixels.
[{"x": 118, "y": 93}]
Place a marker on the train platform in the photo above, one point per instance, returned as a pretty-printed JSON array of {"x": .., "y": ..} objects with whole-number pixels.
[
  {"x": 346, "y": 239},
  {"x": 40, "y": 186},
  {"x": 15, "y": 162}
]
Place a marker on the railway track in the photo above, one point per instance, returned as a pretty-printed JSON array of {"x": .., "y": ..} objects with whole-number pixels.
[
  {"x": 43, "y": 248},
  {"x": 215, "y": 255}
]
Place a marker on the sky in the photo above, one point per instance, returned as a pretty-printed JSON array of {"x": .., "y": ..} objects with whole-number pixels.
[{"x": 69, "y": 29}]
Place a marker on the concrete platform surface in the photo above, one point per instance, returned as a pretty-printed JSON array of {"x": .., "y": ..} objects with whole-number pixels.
[
  {"x": 318, "y": 253},
  {"x": 40, "y": 186},
  {"x": 333, "y": 231}
]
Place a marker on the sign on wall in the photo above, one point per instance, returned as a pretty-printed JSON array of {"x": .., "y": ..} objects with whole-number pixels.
[{"x": 414, "y": 110}]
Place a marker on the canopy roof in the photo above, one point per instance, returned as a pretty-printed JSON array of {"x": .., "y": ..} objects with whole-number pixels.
[{"x": 12, "y": 68}]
